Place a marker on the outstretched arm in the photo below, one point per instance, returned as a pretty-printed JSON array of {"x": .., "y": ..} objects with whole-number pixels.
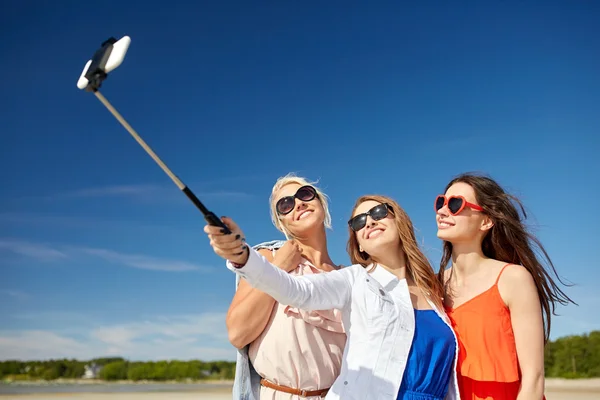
[{"x": 313, "y": 292}]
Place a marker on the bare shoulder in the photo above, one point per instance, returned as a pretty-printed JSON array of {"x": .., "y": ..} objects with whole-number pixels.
[
  {"x": 516, "y": 276},
  {"x": 516, "y": 284}
]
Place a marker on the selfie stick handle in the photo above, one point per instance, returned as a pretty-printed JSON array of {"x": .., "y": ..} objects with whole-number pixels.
[{"x": 209, "y": 216}]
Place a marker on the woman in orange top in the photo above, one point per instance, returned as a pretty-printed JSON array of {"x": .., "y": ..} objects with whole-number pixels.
[{"x": 498, "y": 295}]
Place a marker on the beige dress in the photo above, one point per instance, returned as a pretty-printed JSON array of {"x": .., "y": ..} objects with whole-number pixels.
[{"x": 299, "y": 349}]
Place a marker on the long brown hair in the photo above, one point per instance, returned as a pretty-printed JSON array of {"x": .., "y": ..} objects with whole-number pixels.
[
  {"x": 416, "y": 262},
  {"x": 510, "y": 241}
]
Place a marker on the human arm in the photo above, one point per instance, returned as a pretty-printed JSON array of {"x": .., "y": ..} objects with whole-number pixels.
[
  {"x": 519, "y": 292},
  {"x": 249, "y": 311},
  {"x": 313, "y": 292}
]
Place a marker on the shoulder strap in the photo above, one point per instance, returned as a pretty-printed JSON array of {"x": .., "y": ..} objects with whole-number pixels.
[{"x": 501, "y": 271}]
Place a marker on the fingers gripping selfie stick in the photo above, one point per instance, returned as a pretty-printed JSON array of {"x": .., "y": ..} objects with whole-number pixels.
[{"x": 108, "y": 57}]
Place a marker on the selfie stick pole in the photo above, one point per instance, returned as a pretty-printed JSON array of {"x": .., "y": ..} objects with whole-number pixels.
[{"x": 108, "y": 57}]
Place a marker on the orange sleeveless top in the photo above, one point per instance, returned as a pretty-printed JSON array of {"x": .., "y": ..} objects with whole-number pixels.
[{"x": 487, "y": 360}]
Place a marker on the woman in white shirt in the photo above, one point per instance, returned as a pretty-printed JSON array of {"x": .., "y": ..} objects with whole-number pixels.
[{"x": 399, "y": 341}]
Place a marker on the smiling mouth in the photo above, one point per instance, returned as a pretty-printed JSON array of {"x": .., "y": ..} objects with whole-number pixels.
[
  {"x": 374, "y": 233},
  {"x": 444, "y": 225},
  {"x": 304, "y": 214}
]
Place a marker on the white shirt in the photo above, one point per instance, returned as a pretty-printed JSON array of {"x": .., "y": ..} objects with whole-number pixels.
[{"x": 378, "y": 317}]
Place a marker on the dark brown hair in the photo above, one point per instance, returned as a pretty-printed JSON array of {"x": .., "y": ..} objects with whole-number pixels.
[
  {"x": 416, "y": 263},
  {"x": 510, "y": 241}
]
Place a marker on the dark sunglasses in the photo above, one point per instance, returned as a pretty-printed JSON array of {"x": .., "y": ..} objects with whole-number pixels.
[
  {"x": 376, "y": 213},
  {"x": 286, "y": 204},
  {"x": 455, "y": 204}
]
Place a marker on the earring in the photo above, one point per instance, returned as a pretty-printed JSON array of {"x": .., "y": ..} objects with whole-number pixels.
[{"x": 360, "y": 249}]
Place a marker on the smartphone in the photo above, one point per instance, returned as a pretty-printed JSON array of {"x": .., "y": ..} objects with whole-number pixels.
[{"x": 106, "y": 59}]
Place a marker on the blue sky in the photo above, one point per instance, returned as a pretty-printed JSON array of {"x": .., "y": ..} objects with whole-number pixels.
[{"x": 100, "y": 254}]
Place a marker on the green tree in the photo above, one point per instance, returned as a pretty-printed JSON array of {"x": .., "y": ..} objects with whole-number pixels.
[
  {"x": 11, "y": 367},
  {"x": 573, "y": 356},
  {"x": 106, "y": 360},
  {"x": 138, "y": 371},
  {"x": 114, "y": 371}
]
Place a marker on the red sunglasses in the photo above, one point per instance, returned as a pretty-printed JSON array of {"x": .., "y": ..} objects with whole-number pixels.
[{"x": 455, "y": 204}]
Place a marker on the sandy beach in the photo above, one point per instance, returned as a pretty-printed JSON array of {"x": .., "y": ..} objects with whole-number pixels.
[
  {"x": 556, "y": 389},
  {"x": 196, "y": 395},
  {"x": 572, "y": 389}
]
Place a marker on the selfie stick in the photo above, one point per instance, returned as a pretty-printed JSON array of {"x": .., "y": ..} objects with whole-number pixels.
[{"x": 108, "y": 57}]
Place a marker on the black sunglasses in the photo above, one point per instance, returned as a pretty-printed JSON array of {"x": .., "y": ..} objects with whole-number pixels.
[
  {"x": 286, "y": 204},
  {"x": 377, "y": 213}
]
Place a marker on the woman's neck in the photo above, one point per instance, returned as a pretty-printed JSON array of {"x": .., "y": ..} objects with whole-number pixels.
[
  {"x": 394, "y": 262},
  {"x": 314, "y": 248},
  {"x": 466, "y": 260}
]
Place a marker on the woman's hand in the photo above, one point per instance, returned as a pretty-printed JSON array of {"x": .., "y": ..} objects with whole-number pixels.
[
  {"x": 231, "y": 246},
  {"x": 289, "y": 256}
]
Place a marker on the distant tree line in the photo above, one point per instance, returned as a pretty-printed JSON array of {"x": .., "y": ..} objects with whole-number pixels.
[
  {"x": 567, "y": 357},
  {"x": 117, "y": 368},
  {"x": 573, "y": 356}
]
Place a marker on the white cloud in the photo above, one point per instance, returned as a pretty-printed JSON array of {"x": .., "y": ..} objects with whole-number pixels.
[
  {"x": 141, "y": 261},
  {"x": 138, "y": 191},
  {"x": 45, "y": 253},
  {"x": 77, "y": 224},
  {"x": 231, "y": 194},
  {"x": 40, "y": 344},
  {"x": 15, "y": 294},
  {"x": 37, "y": 251},
  {"x": 68, "y": 320},
  {"x": 143, "y": 192},
  {"x": 116, "y": 190},
  {"x": 182, "y": 337},
  {"x": 179, "y": 327},
  {"x": 116, "y": 336}
]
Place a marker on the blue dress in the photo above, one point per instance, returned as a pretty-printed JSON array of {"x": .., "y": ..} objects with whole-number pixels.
[{"x": 430, "y": 360}]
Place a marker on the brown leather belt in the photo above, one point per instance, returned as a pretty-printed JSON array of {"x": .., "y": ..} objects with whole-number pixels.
[{"x": 298, "y": 392}]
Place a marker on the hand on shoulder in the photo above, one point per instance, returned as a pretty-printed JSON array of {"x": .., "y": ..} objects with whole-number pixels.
[{"x": 289, "y": 256}]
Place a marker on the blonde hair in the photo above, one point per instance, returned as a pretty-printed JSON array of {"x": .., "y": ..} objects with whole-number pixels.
[
  {"x": 416, "y": 263},
  {"x": 289, "y": 179}
]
